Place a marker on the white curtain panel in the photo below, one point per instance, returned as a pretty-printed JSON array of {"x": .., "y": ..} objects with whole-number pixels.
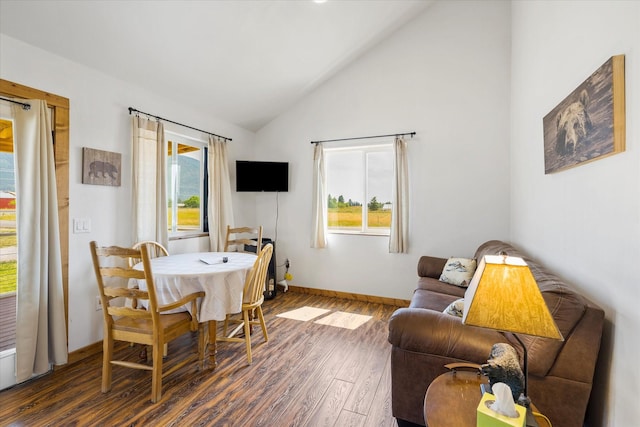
[
  {"x": 319, "y": 202},
  {"x": 220, "y": 204},
  {"x": 41, "y": 338},
  {"x": 399, "y": 236},
  {"x": 149, "y": 189}
]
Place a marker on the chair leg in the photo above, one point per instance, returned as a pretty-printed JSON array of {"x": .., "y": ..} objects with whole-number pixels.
[
  {"x": 247, "y": 334},
  {"x": 213, "y": 338},
  {"x": 156, "y": 375},
  {"x": 202, "y": 343},
  {"x": 143, "y": 353},
  {"x": 107, "y": 355},
  {"x": 262, "y": 323},
  {"x": 226, "y": 325}
]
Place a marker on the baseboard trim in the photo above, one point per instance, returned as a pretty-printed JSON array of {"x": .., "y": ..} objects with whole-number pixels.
[
  {"x": 348, "y": 295},
  {"x": 84, "y": 352},
  {"x": 90, "y": 350}
]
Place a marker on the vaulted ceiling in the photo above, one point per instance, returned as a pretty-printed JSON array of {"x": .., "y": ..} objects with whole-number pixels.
[{"x": 242, "y": 61}]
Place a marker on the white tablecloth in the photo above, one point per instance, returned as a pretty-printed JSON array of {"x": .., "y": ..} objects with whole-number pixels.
[{"x": 223, "y": 283}]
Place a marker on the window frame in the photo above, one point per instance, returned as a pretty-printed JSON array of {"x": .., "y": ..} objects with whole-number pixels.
[
  {"x": 365, "y": 230},
  {"x": 201, "y": 145}
]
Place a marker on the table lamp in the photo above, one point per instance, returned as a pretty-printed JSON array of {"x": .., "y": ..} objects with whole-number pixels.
[{"x": 503, "y": 295}]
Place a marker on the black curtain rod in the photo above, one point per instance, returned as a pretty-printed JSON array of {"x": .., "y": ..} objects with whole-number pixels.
[
  {"x": 24, "y": 105},
  {"x": 365, "y": 137},
  {"x": 133, "y": 110}
]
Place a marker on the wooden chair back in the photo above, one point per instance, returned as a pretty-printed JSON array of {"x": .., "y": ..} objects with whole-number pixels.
[
  {"x": 254, "y": 285},
  {"x": 243, "y": 236},
  {"x": 112, "y": 263},
  {"x": 154, "y": 249}
]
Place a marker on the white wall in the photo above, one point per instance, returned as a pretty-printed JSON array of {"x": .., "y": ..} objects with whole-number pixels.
[
  {"x": 445, "y": 75},
  {"x": 582, "y": 222},
  {"x": 99, "y": 119}
]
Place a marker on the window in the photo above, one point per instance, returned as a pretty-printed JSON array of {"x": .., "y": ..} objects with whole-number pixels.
[
  {"x": 359, "y": 186},
  {"x": 186, "y": 192}
]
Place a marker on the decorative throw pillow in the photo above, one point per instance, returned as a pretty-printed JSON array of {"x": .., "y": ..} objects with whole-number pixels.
[
  {"x": 456, "y": 308},
  {"x": 458, "y": 271}
]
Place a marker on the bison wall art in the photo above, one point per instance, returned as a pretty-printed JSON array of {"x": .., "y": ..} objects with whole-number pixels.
[{"x": 589, "y": 123}]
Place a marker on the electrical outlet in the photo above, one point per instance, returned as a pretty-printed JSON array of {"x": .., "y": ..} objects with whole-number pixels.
[
  {"x": 98, "y": 303},
  {"x": 287, "y": 263}
]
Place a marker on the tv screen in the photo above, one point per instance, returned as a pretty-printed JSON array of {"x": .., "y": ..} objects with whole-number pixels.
[{"x": 262, "y": 176}]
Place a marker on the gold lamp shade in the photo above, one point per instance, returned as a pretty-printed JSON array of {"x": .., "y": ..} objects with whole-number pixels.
[{"x": 503, "y": 295}]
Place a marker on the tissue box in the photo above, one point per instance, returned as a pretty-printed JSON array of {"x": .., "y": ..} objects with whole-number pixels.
[{"x": 489, "y": 418}]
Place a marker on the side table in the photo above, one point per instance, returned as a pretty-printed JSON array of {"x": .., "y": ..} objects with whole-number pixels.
[{"x": 452, "y": 399}]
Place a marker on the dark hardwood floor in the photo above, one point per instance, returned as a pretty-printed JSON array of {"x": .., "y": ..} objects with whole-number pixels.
[{"x": 307, "y": 374}]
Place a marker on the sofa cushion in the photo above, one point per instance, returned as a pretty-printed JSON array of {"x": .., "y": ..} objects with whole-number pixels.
[
  {"x": 431, "y": 300},
  {"x": 456, "y": 308},
  {"x": 429, "y": 266},
  {"x": 435, "y": 285},
  {"x": 566, "y": 306},
  {"x": 458, "y": 271}
]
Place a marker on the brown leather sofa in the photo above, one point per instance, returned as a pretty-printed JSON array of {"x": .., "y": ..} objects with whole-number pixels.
[{"x": 424, "y": 339}]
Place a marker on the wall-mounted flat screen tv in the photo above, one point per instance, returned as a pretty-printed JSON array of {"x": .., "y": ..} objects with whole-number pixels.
[{"x": 262, "y": 176}]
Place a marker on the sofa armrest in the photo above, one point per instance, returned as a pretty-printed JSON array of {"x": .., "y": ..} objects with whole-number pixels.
[
  {"x": 429, "y": 266},
  {"x": 427, "y": 331}
]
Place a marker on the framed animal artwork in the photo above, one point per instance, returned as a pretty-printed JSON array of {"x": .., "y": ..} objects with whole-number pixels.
[
  {"x": 101, "y": 167},
  {"x": 589, "y": 124}
]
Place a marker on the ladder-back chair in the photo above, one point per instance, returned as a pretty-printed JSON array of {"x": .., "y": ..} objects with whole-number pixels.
[
  {"x": 149, "y": 327},
  {"x": 244, "y": 236}
]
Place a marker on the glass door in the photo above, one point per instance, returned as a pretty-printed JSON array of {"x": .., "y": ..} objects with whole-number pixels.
[{"x": 8, "y": 249}]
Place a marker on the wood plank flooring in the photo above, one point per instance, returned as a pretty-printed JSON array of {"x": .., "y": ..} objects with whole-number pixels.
[{"x": 307, "y": 374}]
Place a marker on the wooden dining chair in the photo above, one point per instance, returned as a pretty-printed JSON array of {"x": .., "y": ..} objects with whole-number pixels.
[
  {"x": 243, "y": 237},
  {"x": 149, "y": 327},
  {"x": 154, "y": 249},
  {"x": 252, "y": 299}
]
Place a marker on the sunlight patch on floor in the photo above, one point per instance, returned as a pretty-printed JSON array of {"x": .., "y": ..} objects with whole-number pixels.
[
  {"x": 339, "y": 319},
  {"x": 304, "y": 313},
  {"x": 345, "y": 320}
]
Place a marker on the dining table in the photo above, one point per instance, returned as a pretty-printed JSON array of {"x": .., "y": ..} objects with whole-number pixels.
[{"x": 221, "y": 275}]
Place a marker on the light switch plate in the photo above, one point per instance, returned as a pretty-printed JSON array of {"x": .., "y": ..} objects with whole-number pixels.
[{"x": 81, "y": 225}]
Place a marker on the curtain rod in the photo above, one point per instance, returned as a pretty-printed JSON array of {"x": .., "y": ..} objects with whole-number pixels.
[
  {"x": 365, "y": 137},
  {"x": 24, "y": 105},
  {"x": 133, "y": 110}
]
